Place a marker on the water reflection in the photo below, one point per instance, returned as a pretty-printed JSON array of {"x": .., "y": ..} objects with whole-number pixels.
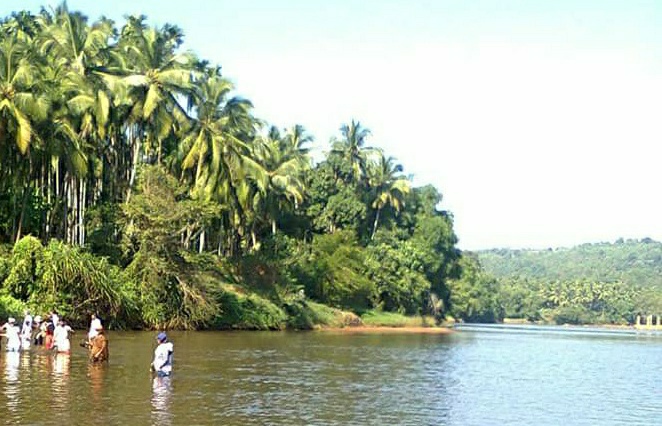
[
  {"x": 12, "y": 390},
  {"x": 161, "y": 393},
  {"x": 60, "y": 363},
  {"x": 96, "y": 373},
  {"x": 12, "y": 363}
]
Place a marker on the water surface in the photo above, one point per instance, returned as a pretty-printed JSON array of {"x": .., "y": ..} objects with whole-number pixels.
[{"x": 477, "y": 376}]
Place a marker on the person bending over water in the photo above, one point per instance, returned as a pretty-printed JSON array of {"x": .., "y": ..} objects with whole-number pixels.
[{"x": 163, "y": 356}]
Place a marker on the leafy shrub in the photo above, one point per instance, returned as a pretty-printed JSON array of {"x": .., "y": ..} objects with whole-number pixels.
[
  {"x": 307, "y": 315},
  {"x": 247, "y": 312},
  {"x": 11, "y": 307},
  {"x": 335, "y": 271},
  {"x": 575, "y": 315},
  {"x": 24, "y": 269}
]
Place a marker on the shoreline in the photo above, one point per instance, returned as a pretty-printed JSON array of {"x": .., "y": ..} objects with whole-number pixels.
[{"x": 380, "y": 329}]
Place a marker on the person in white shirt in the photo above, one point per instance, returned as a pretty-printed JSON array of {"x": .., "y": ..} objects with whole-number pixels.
[
  {"x": 55, "y": 319},
  {"x": 26, "y": 330},
  {"x": 12, "y": 332},
  {"x": 95, "y": 324},
  {"x": 163, "y": 356},
  {"x": 61, "y": 338}
]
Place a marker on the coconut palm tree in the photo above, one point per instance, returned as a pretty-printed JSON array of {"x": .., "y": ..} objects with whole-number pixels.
[
  {"x": 353, "y": 150},
  {"x": 388, "y": 186},
  {"x": 22, "y": 106},
  {"x": 76, "y": 53},
  {"x": 151, "y": 78},
  {"x": 218, "y": 147},
  {"x": 285, "y": 160}
]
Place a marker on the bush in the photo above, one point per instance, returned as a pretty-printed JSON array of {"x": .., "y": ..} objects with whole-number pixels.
[
  {"x": 11, "y": 307},
  {"x": 307, "y": 315},
  {"x": 247, "y": 312},
  {"x": 24, "y": 268},
  {"x": 335, "y": 271},
  {"x": 575, "y": 315}
]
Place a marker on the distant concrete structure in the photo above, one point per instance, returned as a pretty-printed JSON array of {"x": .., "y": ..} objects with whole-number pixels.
[{"x": 648, "y": 322}]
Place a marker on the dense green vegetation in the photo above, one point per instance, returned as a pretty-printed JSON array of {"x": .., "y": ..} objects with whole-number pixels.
[
  {"x": 591, "y": 283},
  {"x": 133, "y": 184},
  {"x": 634, "y": 262}
]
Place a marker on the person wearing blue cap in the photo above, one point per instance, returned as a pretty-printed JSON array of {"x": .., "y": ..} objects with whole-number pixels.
[{"x": 162, "y": 363}]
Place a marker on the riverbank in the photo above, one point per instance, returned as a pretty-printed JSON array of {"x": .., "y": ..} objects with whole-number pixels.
[
  {"x": 519, "y": 321},
  {"x": 380, "y": 329}
]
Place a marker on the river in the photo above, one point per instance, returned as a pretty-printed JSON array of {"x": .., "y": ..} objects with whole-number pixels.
[{"x": 477, "y": 376}]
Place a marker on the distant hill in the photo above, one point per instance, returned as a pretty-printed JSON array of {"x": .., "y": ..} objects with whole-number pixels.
[{"x": 637, "y": 262}]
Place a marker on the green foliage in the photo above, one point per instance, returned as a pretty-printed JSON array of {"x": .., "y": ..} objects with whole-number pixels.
[
  {"x": 169, "y": 290},
  {"x": 393, "y": 319},
  {"x": 399, "y": 277},
  {"x": 592, "y": 283},
  {"x": 77, "y": 284},
  {"x": 24, "y": 271},
  {"x": 5, "y": 262},
  {"x": 63, "y": 278},
  {"x": 169, "y": 295},
  {"x": 520, "y": 299},
  {"x": 147, "y": 209},
  {"x": 633, "y": 262},
  {"x": 105, "y": 230},
  {"x": 575, "y": 315},
  {"x": 335, "y": 271},
  {"x": 473, "y": 295},
  {"x": 247, "y": 312},
  {"x": 267, "y": 277},
  {"x": 333, "y": 204},
  {"x": 307, "y": 315},
  {"x": 11, "y": 307}
]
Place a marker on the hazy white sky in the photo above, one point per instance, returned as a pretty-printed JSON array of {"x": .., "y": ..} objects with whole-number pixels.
[{"x": 539, "y": 121}]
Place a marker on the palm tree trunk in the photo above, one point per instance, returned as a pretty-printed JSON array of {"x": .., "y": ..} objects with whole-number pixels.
[
  {"x": 201, "y": 247},
  {"x": 65, "y": 216},
  {"x": 134, "y": 165},
  {"x": 81, "y": 217},
  {"x": 24, "y": 203},
  {"x": 374, "y": 226}
]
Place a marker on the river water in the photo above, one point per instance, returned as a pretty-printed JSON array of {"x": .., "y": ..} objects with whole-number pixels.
[{"x": 477, "y": 376}]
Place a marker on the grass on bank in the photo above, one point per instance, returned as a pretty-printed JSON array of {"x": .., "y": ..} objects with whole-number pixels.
[{"x": 391, "y": 319}]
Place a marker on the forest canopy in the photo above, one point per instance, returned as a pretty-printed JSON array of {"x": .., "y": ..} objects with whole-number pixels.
[{"x": 135, "y": 182}]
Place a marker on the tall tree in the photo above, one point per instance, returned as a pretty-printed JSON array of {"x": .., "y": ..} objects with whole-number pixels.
[
  {"x": 217, "y": 146},
  {"x": 388, "y": 187},
  {"x": 351, "y": 147}
]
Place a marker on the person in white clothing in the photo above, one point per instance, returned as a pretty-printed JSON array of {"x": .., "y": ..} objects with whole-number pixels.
[
  {"x": 163, "y": 356},
  {"x": 55, "y": 319},
  {"x": 95, "y": 324},
  {"x": 61, "y": 338},
  {"x": 26, "y": 330},
  {"x": 13, "y": 335}
]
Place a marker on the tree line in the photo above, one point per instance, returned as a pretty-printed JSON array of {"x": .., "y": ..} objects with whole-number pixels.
[
  {"x": 602, "y": 283},
  {"x": 135, "y": 184}
]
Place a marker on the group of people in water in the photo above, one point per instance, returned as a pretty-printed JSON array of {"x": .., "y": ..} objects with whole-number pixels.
[{"x": 52, "y": 332}]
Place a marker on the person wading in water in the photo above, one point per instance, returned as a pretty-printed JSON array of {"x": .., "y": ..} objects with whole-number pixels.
[
  {"x": 163, "y": 353},
  {"x": 99, "y": 346}
]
